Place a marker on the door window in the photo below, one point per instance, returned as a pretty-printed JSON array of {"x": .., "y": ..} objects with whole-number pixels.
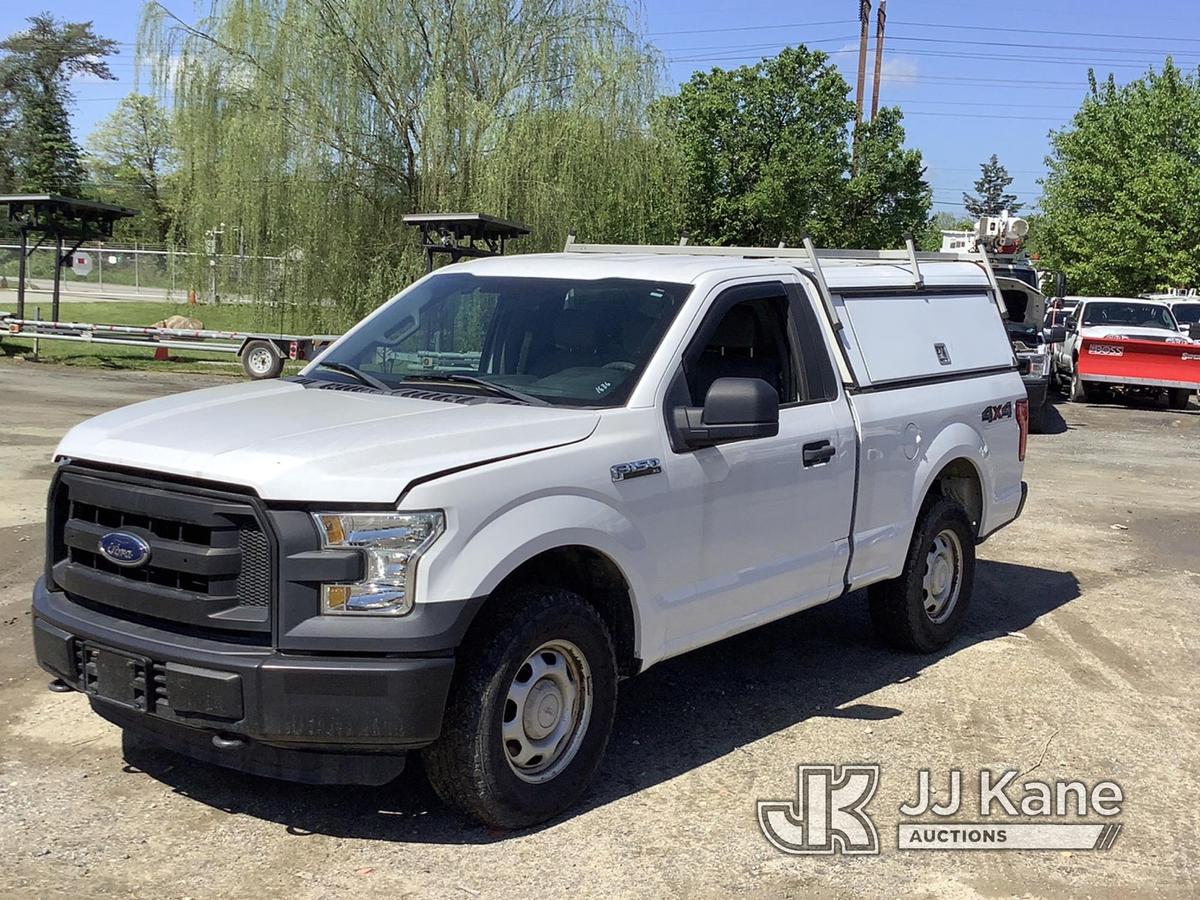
[{"x": 750, "y": 332}]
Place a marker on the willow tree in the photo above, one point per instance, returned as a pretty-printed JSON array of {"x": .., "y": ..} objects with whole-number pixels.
[{"x": 308, "y": 127}]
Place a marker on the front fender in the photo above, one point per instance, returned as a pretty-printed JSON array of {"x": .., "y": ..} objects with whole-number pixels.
[{"x": 476, "y": 560}]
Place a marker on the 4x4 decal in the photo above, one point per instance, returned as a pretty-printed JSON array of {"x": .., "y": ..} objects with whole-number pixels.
[{"x": 998, "y": 412}]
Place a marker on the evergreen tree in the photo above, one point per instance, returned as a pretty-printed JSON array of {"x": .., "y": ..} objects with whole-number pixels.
[
  {"x": 35, "y": 73},
  {"x": 992, "y": 188}
]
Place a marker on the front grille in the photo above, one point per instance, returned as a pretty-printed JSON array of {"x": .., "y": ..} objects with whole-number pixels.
[{"x": 210, "y": 563}]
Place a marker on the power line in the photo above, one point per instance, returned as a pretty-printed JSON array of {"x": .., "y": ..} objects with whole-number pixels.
[
  {"x": 754, "y": 27},
  {"x": 976, "y": 103},
  {"x": 939, "y": 25},
  {"x": 953, "y": 115},
  {"x": 945, "y": 54},
  {"x": 1026, "y": 46},
  {"x": 1096, "y": 34}
]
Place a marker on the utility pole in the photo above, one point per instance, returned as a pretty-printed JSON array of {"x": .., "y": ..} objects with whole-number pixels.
[
  {"x": 864, "y": 15},
  {"x": 880, "y": 19}
]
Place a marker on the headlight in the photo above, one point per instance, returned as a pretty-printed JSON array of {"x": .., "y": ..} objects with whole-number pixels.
[{"x": 391, "y": 544}]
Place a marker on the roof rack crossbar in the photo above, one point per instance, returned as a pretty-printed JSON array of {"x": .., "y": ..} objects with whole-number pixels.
[
  {"x": 911, "y": 249},
  {"x": 822, "y": 287},
  {"x": 881, "y": 256},
  {"x": 986, "y": 264}
]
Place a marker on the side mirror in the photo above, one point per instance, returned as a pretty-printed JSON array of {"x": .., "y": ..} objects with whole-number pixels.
[
  {"x": 735, "y": 409},
  {"x": 1055, "y": 334},
  {"x": 1194, "y": 331}
]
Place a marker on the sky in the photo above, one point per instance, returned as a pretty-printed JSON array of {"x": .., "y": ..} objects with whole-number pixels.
[{"x": 972, "y": 78}]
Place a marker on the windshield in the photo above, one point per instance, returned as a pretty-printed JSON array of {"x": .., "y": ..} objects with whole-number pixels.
[
  {"x": 1187, "y": 313},
  {"x": 563, "y": 341},
  {"x": 1140, "y": 315}
]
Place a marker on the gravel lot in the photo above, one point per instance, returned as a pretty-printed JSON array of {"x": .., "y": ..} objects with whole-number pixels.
[{"x": 1081, "y": 658}]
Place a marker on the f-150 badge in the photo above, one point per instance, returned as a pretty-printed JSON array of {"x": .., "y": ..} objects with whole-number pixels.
[{"x": 636, "y": 469}]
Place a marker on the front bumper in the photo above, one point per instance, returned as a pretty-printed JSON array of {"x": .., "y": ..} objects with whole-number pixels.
[{"x": 281, "y": 714}]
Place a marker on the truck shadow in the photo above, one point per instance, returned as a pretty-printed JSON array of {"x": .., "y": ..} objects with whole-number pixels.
[{"x": 678, "y": 716}]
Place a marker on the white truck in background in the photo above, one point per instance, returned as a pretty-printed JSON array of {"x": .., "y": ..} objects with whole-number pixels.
[
  {"x": 1132, "y": 345},
  {"x": 517, "y": 482}
]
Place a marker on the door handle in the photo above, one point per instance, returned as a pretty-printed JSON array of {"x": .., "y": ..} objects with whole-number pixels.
[{"x": 818, "y": 452}]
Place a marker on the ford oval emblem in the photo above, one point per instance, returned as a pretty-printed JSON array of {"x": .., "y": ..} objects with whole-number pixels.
[{"x": 124, "y": 549}]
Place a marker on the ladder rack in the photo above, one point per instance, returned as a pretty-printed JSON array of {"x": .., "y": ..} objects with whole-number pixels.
[{"x": 909, "y": 256}]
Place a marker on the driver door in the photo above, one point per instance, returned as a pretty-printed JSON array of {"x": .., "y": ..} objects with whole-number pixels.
[{"x": 765, "y": 534}]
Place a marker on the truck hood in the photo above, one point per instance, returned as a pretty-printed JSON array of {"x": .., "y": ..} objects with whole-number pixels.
[
  {"x": 1133, "y": 331},
  {"x": 290, "y": 442}
]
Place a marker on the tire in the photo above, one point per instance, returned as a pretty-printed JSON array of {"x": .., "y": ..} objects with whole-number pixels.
[
  {"x": 1178, "y": 398},
  {"x": 477, "y": 765},
  {"x": 1078, "y": 390},
  {"x": 261, "y": 359},
  {"x": 904, "y": 610}
]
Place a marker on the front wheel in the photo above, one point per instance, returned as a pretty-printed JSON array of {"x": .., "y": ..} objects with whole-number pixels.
[
  {"x": 1080, "y": 391},
  {"x": 529, "y": 713},
  {"x": 925, "y": 607}
]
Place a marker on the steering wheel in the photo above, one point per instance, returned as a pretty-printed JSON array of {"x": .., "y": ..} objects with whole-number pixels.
[{"x": 621, "y": 365}]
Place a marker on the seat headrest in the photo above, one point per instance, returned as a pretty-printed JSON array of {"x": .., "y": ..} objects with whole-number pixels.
[
  {"x": 575, "y": 329},
  {"x": 737, "y": 330}
]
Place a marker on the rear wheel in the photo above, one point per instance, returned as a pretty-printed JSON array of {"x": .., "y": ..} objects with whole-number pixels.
[
  {"x": 261, "y": 359},
  {"x": 529, "y": 713},
  {"x": 925, "y": 607},
  {"x": 1178, "y": 398}
]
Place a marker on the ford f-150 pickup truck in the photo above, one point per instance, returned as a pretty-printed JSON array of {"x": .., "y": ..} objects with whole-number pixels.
[{"x": 517, "y": 482}]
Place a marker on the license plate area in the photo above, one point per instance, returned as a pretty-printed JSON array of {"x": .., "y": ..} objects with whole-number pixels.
[{"x": 114, "y": 676}]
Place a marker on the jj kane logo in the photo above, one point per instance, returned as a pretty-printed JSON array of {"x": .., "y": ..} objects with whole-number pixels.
[{"x": 829, "y": 813}]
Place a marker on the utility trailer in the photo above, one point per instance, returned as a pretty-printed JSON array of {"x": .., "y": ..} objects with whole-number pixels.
[{"x": 262, "y": 355}]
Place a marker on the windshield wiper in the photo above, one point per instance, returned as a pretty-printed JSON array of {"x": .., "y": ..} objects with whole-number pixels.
[
  {"x": 357, "y": 374},
  {"x": 464, "y": 378}
]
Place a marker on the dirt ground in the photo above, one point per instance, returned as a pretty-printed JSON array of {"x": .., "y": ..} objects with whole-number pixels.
[{"x": 1080, "y": 659}]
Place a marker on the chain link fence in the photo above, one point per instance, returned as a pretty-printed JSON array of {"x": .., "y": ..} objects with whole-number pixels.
[{"x": 111, "y": 271}]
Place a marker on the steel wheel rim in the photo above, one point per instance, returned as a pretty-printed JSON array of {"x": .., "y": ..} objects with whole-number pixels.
[
  {"x": 260, "y": 360},
  {"x": 546, "y": 711},
  {"x": 943, "y": 576}
]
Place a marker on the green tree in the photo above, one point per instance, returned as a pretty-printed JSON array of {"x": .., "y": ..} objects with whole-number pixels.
[
  {"x": 992, "y": 188},
  {"x": 1119, "y": 201},
  {"x": 8, "y": 144},
  {"x": 36, "y": 68},
  {"x": 131, "y": 156},
  {"x": 318, "y": 125},
  {"x": 764, "y": 156}
]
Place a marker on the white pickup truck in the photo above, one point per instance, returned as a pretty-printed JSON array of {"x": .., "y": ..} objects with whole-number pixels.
[
  {"x": 520, "y": 480},
  {"x": 1142, "y": 334}
]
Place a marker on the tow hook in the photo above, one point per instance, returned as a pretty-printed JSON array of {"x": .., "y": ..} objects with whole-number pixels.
[
  {"x": 59, "y": 686},
  {"x": 225, "y": 741}
]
